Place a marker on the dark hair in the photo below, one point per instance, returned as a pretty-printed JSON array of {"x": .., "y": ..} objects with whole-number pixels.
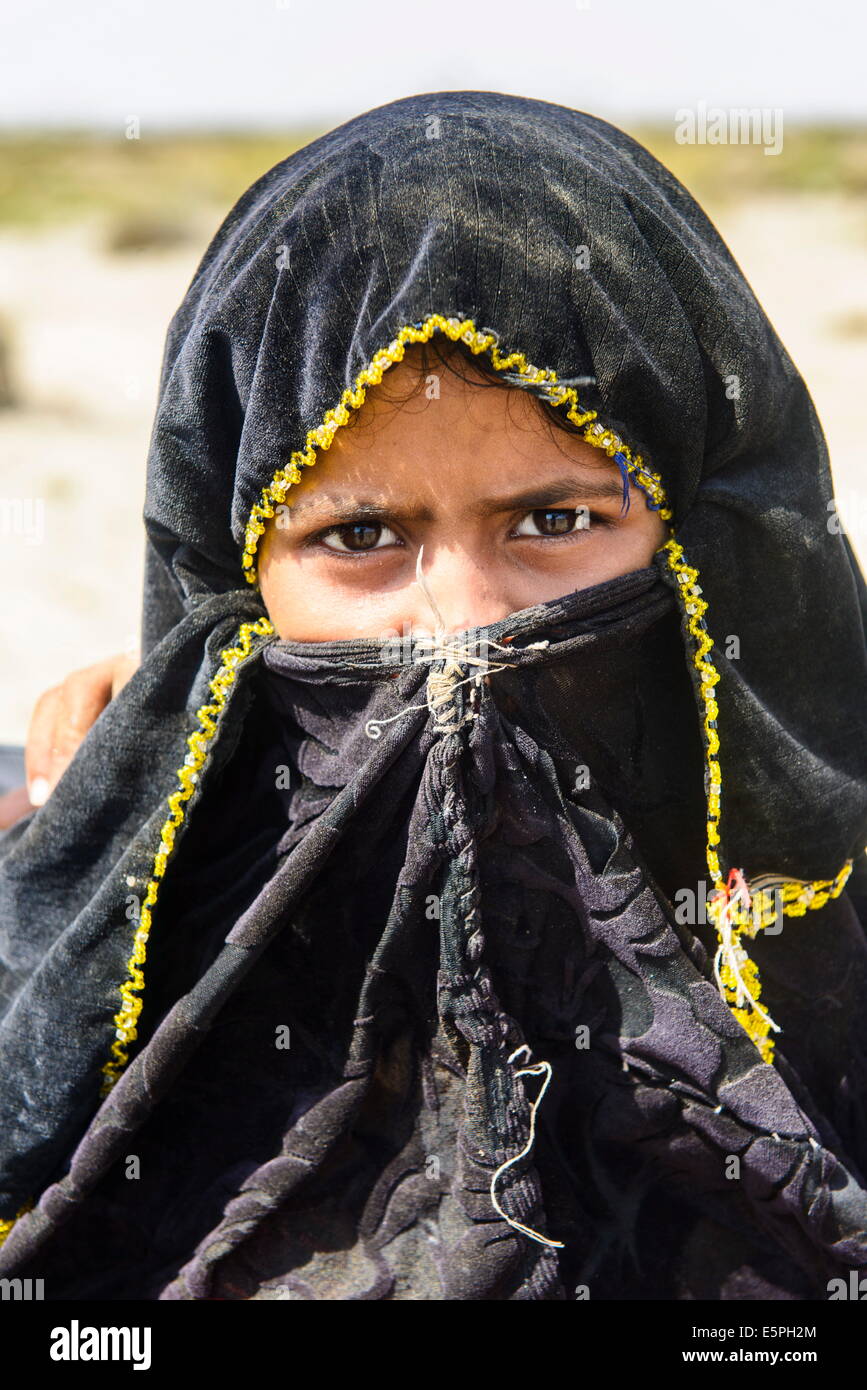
[{"x": 457, "y": 358}]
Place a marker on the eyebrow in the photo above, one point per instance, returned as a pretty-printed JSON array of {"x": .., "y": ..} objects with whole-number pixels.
[{"x": 532, "y": 498}]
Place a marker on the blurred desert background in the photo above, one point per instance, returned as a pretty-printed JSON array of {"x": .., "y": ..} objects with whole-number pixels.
[{"x": 99, "y": 238}]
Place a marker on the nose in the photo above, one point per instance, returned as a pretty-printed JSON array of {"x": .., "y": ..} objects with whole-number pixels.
[{"x": 457, "y": 591}]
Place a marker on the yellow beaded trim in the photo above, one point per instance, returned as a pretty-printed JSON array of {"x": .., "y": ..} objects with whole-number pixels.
[
  {"x": 726, "y": 912},
  {"x": 796, "y": 897},
  {"x": 188, "y": 775},
  {"x": 730, "y": 915},
  {"x": 6, "y": 1226},
  {"x": 595, "y": 433},
  {"x": 695, "y": 607}
]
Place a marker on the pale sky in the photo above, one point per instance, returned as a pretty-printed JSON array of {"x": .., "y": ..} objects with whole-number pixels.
[{"x": 284, "y": 63}]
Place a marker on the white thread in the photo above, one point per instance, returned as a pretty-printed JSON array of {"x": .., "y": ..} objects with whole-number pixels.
[
  {"x": 453, "y": 655},
  {"x": 425, "y": 588},
  {"x": 734, "y": 954},
  {"x": 536, "y": 1069}
]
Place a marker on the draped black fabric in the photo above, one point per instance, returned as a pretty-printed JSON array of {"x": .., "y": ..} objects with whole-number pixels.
[{"x": 360, "y": 974}]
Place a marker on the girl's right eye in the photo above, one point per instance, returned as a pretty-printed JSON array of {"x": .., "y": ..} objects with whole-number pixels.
[{"x": 357, "y": 536}]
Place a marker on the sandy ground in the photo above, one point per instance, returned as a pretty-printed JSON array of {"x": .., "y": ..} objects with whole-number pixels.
[{"x": 88, "y": 332}]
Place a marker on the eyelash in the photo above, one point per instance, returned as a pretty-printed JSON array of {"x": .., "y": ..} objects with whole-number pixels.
[{"x": 318, "y": 537}]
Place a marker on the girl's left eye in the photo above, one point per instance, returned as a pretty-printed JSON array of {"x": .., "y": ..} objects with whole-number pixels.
[
  {"x": 554, "y": 521},
  {"x": 355, "y": 537}
]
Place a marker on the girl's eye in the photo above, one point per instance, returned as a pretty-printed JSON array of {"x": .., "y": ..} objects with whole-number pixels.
[
  {"x": 554, "y": 521},
  {"x": 356, "y": 536}
]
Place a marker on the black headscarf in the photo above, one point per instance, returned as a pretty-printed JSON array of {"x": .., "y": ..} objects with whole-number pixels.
[{"x": 317, "y": 1007}]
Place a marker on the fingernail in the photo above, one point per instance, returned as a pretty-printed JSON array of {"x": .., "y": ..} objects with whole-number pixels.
[{"x": 38, "y": 791}]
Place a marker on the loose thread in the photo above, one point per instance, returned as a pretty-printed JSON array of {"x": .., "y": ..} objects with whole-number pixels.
[
  {"x": 535, "y": 1069},
  {"x": 441, "y": 686},
  {"x": 454, "y": 656},
  {"x": 730, "y": 953}
]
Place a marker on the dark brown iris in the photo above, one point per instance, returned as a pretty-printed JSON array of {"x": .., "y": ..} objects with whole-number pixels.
[
  {"x": 360, "y": 535},
  {"x": 554, "y": 522}
]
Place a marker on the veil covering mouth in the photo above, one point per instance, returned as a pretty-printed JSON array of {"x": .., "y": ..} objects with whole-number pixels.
[{"x": 330, "y": 975}]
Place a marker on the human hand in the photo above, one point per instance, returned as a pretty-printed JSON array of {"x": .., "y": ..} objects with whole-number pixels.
[{"x": 60, "y": 720}]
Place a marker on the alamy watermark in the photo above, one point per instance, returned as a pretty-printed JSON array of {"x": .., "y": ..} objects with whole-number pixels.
[
  {"x": 23, "y": 518},
  {"x": 732, "y": 125},
  {"x": 22, "y": 1290},
  {"x": 691, "y": 909},
  {"x": 77, "y": 1343},
  {"x": 414, "y": 644}
]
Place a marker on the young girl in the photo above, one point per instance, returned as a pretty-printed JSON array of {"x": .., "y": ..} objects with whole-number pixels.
[{"x": 459, "y": 902}]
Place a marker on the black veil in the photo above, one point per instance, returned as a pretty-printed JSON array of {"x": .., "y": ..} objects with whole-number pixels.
[{"x": 440, "y": 911}]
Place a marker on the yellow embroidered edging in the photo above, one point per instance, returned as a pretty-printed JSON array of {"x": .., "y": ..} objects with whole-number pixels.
[
  {"x": 6, "y": 1226},
  {"x": 188, "y": 775},
  {"x": 454, "y": 328},
  {"x": 736, "y": 913},
  {"x": 737, "y": 975},
  {"x": 737, "y": 908},
  {"x": 695, "y": 607},
  {"x": 748, "y": 916}
]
